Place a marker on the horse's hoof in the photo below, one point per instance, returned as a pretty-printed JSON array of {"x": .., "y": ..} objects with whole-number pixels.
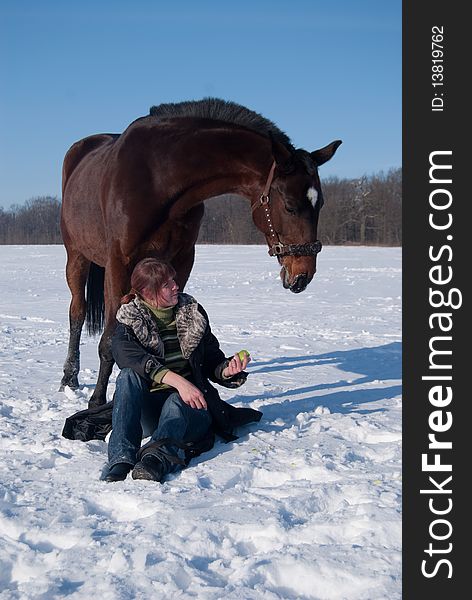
[{"x": 73, "y": 384}]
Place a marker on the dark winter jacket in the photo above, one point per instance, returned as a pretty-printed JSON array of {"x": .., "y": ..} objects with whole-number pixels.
[{"x": 136, "y": 344}]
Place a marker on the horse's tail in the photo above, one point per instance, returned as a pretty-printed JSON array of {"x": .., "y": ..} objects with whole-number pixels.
[{"x": 95, "y": 316}]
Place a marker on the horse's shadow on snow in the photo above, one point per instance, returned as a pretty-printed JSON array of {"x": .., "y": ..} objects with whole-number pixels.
[{"x": 366, "y": 367}]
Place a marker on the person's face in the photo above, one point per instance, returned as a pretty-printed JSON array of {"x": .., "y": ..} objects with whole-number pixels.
[{"x": 168, "y": 294}]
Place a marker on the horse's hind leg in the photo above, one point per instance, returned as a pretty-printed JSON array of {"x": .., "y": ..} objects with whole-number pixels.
[
  {"x": 115, "y": 285},
  {"x": 76, "y": 274},
  {"x": 99, "y": 395}
]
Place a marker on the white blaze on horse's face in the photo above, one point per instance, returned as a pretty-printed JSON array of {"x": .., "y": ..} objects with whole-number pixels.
[{"x": 312, "y": 196}]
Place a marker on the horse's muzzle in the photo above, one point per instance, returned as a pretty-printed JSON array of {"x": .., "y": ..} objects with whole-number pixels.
[{"x": 298, "y": 284}]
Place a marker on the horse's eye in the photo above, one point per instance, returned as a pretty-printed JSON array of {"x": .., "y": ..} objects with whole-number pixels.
[{"x": 290, "y": 210}]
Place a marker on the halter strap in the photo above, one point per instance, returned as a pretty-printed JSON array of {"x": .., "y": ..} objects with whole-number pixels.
[
  {"x": 270, "y": 178},
  {"x": 308, "y": 249}
]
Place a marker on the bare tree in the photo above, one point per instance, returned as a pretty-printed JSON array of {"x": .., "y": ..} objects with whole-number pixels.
[
  {"x": 366, "y": 210},
  {"x": 36, "y": 222}
]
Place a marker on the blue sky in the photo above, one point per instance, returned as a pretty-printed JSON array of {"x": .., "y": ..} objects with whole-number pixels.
[{"x": 320, "y": 70}]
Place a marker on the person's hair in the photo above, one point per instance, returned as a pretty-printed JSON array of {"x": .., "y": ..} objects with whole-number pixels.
[{"x": 148, "y": 276}]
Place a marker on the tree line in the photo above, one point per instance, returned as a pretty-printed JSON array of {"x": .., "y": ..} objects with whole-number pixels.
[
  {"x": 364, "y": 211},
  {"x": 34, "y": 222}
]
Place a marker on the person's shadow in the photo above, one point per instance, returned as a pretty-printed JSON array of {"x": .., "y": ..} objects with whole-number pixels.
[
  {"x": 369, "y": 367},
  {"x": 366, "y": 366}
]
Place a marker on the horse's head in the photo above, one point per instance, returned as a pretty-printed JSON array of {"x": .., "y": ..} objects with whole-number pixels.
[{"x": 288, "y": 211}]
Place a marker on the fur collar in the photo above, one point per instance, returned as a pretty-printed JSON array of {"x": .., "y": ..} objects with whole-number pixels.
[{"x": 191, "y": 324}]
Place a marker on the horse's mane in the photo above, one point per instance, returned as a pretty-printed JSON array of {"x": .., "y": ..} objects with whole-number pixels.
[{"x": 222, "y": 110}]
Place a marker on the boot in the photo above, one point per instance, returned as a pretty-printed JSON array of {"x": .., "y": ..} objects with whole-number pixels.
[
  {"x": 118, "y": 472},
  {"x": 150, "y": 468}
]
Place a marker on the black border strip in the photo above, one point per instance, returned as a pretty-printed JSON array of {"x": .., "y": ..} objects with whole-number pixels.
[{"x": 435, "y": 556}]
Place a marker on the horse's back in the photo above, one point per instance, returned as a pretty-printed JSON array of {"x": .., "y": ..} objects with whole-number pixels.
[{"x": 81, "y": 149}]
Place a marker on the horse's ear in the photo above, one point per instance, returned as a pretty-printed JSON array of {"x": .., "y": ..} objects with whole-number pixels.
[
  {"x": 283, "y": 159},
  {"x": 324, "y": 154}
]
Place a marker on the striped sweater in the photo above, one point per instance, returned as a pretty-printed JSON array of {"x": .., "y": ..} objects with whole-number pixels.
[{"x": 173, "y": 359}]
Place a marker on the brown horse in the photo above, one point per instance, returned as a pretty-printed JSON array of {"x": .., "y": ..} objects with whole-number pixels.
[{"x": 140, "y": 193}]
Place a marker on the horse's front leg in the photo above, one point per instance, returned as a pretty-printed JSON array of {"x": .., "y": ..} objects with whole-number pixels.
[
  {"x": 116, "y": 282},
  {"x": 183, "y": 264},
  {"x": 76, "y": 274}
]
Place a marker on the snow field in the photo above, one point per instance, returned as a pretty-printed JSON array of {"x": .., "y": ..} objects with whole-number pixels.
[{"x": 306, "y": 504}]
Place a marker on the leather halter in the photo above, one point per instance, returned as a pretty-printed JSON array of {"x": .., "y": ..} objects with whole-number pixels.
[{"x": 278, "y": 248}]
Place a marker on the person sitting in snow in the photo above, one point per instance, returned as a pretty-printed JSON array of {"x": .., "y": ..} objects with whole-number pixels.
[{"x": 167, "y": 354}]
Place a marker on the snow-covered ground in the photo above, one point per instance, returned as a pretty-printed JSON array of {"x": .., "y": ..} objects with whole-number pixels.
[{"x": 306, "y": 504}]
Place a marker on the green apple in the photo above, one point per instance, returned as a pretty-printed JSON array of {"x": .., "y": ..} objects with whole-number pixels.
[{"x": 242, "y": 354}]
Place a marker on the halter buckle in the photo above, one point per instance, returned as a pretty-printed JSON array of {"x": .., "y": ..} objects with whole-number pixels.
[
  {"x": 264, "y": 199},
  {"x": 277, "y": 249}
]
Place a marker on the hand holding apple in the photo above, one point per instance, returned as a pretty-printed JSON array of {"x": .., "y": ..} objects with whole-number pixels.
[{"x": 237, "y": 364}]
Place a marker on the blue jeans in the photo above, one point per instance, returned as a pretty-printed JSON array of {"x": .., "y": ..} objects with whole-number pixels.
[{"x": 138, "y": 413}]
